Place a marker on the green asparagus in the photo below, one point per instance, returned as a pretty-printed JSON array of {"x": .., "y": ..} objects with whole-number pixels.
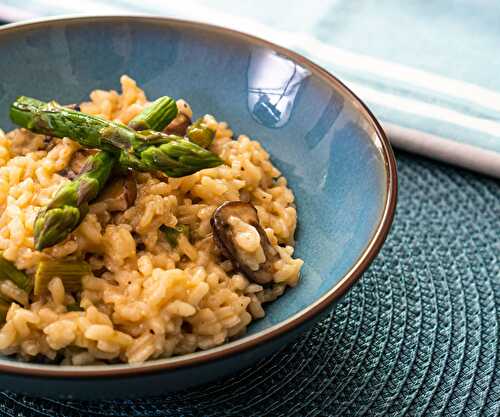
[
  {"x": 156, "y": 116},
  {"x": 55, "y": 120},
  {"x": 146, "y": 150},
  {"x": 70, "y": 205},
  {"x": 10, "y": 272},
  {"x": 74, "y": 307},
  {"x": 172, "y": 233},
  {"x": 70, "y": 273},
  {"x": 200, "y": 133},
  {"x": 179, "y": 157}
]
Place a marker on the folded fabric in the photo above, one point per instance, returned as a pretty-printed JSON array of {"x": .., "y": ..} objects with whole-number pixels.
[{"x": 428, "y": 70}]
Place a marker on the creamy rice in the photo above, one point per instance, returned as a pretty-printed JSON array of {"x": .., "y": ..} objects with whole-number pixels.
[{"x": 144, "y": 299}]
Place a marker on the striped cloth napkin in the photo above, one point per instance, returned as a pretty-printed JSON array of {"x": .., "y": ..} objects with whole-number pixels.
[{"x": 428, "y": 70}]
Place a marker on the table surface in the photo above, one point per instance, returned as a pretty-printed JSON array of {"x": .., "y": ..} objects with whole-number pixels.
[{"x": 417, "y": 336}]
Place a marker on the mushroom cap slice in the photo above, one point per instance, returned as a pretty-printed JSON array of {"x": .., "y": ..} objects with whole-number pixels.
[
  {"x": 179, "y": 125},
  {"x": 120, "y": 193},
  {"x": 224, "y": 239}
]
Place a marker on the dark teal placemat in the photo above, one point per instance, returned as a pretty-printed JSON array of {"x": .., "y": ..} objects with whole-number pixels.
[{"x": 418, "y": 336}]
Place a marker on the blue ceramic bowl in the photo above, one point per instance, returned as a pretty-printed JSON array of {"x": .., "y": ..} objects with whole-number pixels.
[{"x": 319, "y": 134}]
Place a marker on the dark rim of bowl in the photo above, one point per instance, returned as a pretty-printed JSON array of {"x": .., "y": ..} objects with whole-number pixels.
[{"x": 247, "y": 342}]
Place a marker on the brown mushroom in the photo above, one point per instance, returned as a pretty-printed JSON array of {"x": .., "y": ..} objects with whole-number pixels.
[
  {"x": 179, "y": 125},
  {"x": 120, "y": 194},
  {"x": 77, "y": 163},
  {"x": 224, "y": 237},
  {"x": 73, "y": 106},
  {"x": 49, "y": 142}
]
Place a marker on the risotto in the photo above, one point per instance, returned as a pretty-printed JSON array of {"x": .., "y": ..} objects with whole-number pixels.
[{"x": 160, "y": 281}]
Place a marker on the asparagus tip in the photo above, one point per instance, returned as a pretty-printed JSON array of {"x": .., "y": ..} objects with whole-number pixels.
[{"x": 53, "y": 226}]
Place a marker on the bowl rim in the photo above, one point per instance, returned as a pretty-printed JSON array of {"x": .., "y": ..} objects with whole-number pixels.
[{"x": 247, "y": 342}]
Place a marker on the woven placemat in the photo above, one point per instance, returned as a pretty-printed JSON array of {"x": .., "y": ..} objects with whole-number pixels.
[{"x": 418, "y": 336}]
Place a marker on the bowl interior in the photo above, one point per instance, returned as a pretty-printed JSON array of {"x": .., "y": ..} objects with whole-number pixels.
[{"x": 329, "y": 151}]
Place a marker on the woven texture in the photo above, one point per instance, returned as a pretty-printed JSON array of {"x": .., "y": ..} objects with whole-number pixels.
[{"x": 417, "y": 336}]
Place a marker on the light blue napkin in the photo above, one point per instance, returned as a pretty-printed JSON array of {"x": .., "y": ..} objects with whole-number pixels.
[{"x": 430, "y": 71}]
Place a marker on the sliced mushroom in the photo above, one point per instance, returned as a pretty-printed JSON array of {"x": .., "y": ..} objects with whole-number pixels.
[
  {"x": 49, "y": 142},
  {"x": 179, "y": 125},
  {"x": 225, "y": 221},
  {"x": 120, "y": 194},
  {"x": 73, "y": 106},
  {"x": 77, "y": 163},
  {"x": 80, "y": 159}
]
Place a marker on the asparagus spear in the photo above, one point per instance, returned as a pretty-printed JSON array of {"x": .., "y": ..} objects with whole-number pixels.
[
  {"x": 156, "y": 116},
  {"x": 172, "y": 233},
  {"x": 74, "y": 307},
  {"x": 70, "y": 205},
  {"x": 200, "y": 133},
  {"x": 9, "y": 271},
  {"x": 70, "y": 273},
  {"x": 179, "y": 157},
  {"x": 146, "y": 150},
  {"x": 55, "y": 120}
]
